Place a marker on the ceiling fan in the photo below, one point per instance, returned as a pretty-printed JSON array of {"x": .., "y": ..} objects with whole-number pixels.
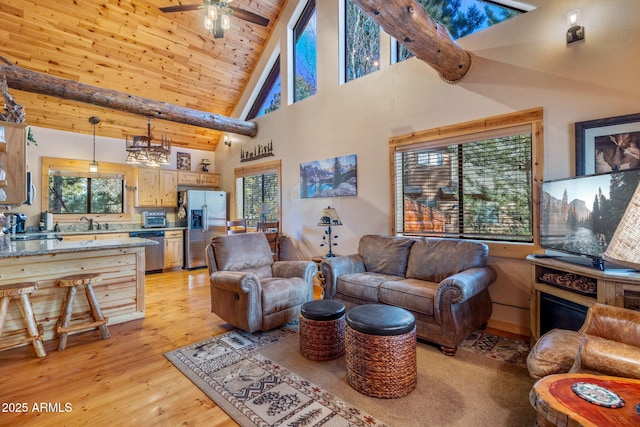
[{"x": 219, "y": 14}]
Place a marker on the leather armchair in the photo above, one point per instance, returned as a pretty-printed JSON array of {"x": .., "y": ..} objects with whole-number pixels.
[
  {"x": 608, "y": 343},
  {"x": 251, "y": 291}
]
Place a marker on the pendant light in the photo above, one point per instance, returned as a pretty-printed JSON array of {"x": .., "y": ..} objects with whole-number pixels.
[{"x": 93, "y": 166}]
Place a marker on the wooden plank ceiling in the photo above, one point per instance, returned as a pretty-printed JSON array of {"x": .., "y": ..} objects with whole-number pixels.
[{"x": 132, "y": 47}]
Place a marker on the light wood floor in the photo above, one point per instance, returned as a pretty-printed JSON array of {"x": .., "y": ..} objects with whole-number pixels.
[{"x": 124, "y": 380}]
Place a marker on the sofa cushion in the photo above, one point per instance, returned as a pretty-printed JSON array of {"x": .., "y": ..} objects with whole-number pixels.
[
  {"x": 434, "y": 259},
  {"x": 280, "y": 294},
  {"x": 412, "y": 294},
  {"x": 362, "y": 285},
  {"x": 385, "y": 254}
]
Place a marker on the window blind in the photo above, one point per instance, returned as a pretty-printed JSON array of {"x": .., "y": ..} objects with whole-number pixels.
[{"x": 476, "y": 186}]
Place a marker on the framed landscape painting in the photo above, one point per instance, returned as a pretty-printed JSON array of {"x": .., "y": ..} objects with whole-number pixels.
[
  {"x": 609, "y": 144},
  {"x": 329, "y": 178}
]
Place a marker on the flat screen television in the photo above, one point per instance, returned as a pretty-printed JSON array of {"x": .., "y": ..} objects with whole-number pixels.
[{"x": 579, "y": 216}]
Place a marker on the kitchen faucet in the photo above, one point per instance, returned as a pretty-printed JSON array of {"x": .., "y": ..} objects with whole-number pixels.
[{"x": 90, "y": 222}]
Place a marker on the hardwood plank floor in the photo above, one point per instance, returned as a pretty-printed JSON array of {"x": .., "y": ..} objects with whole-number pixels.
[{"x": 125, "y": 380}]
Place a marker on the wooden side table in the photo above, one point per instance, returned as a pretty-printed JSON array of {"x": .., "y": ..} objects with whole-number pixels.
[{"x": 558, "y": 405}]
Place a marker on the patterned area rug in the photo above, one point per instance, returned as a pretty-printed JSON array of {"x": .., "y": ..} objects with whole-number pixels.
[
  {"x": 256, "y": 391},
  {"x": 498, "y": 347}
]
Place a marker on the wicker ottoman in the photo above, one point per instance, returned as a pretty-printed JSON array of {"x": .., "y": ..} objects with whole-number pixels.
[
  {"x": 322, "y": 329},
  {"x": 380, "y": 346}
]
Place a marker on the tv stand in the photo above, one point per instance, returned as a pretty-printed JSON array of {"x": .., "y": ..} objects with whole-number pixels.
[{"x": 618, "y": 287}]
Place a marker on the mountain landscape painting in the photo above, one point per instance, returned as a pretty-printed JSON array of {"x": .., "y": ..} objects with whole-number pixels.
[
  {"x": 329, "y": 178},
  {"x": 580, "y": 215}
]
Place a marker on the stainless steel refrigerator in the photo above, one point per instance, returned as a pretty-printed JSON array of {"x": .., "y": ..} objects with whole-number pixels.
[{"x": 206, "y": 216}]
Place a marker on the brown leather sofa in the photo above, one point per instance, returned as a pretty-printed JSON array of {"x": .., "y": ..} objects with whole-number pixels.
[
  {"x": 251, "y": 291},
  {"x": 608, "y": 343},
  {"x": 443, "y": 282}
]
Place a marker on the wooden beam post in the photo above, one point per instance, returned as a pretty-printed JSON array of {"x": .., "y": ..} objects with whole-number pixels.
[
  {"x": 409, "y": 23},
  {"x": 32, "y": 81}
]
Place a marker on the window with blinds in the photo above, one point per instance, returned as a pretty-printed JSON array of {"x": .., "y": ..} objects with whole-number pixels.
[
  {"x": 475, "y": 186},
  {"x": 258, "y": 193}
]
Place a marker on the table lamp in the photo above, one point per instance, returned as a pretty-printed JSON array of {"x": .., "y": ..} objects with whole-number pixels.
[
  {"x": 328, "y": 219},
  {"x": 624, "y": 248}
]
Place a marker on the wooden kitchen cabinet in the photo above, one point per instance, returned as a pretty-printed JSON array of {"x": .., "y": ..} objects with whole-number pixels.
[
  {"x": 173, "y": 249},
  {"x": 156, "y": 187},
  {"x": 198, "y": 179},
  {"x": 13, "y": 164}
]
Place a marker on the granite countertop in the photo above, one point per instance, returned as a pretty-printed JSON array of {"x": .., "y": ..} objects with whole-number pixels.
[
  {"x": 44, "y": 235},
  {"x": 53, "y": 245}
]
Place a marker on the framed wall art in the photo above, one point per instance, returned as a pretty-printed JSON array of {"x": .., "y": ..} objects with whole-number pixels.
[
  {"x": 183, "y": 161},
  {"x": 329, "y": 178},
  {"x": 609, "y": 144}
]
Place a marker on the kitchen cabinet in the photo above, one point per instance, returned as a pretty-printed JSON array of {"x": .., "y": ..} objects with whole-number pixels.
[
  {"x": 13, "y": 164},
  {"x": 156, "y": 187},
  {"x": 198, "y": 179},
  {"x": 173, "y": 249}
]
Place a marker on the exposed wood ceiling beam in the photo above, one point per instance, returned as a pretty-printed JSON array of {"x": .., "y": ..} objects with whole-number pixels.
[
  {"x": 32, "y": 81},
  {"x": 409, "y": 23}
]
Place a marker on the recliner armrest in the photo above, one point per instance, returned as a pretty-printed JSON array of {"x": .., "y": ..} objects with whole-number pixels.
[
  {"x": 235, "y": 281},
  {"x": 332, "y": 268},
  {"x": 303, "y": 269},
  {"x": 606, "y": 357}
]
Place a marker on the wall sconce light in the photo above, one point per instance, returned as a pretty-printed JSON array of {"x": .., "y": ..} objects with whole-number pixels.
[
  {"x": 93, "y": 166},
  {"x": 227, "y": 141},
  {"x": 576, "y": 30}
]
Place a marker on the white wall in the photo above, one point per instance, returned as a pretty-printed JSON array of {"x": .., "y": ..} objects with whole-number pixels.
[
  {"x": 69, "y": 145},
  {"x": 519, "y": 64}
]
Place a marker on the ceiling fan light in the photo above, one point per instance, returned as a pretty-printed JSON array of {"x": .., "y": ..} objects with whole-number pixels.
[
  {"x": 208, "y": 23},
  {"x": 212, "y": 12},
  {"x": 225, "y": 22}
]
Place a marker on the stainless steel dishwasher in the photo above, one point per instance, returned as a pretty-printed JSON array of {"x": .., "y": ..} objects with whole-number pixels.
[{"x": 153, "y": 254}]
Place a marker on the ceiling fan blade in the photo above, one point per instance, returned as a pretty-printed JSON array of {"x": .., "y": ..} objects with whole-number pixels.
[
  {"x": 249, "y": 16},
  {"x": 182, "y": 8}
]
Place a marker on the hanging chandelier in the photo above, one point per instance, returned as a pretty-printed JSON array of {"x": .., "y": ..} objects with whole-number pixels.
[
  {"x": 217, "y": 18},
  {"x": 143, "y": 149}
]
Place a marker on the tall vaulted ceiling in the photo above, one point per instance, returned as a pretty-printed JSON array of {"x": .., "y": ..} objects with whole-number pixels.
[{"x": 130, "y": 46}]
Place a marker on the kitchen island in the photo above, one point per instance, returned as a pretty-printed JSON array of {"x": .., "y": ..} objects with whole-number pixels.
[{"x": 119, "y": 261}]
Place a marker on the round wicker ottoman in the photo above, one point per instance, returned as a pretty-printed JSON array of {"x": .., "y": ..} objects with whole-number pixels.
[
  {"x": 380, "y": 346},
  {"x": 322, "y": 329}
]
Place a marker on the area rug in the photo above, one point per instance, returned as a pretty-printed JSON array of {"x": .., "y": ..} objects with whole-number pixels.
[{"x": 262, "y": 380}]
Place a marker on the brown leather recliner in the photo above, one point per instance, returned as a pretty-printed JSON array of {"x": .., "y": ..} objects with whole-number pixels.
[
  {"x": 251, "y": 291},
  {"x": 608, "y": 343}
]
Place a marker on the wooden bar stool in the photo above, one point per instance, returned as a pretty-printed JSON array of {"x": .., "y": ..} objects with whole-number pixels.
[
  {"x": 99, "y": 321},
  {"x": 21, "y": 290}
]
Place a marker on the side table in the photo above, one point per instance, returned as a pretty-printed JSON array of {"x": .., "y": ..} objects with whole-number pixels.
[{"x": 558, "y": 405}]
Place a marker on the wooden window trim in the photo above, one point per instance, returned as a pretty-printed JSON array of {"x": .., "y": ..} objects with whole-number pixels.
[
  {"x": 259, "y": 169},
  {"x": 82, "y": 166},
  {"x": 437, "y": 136}
]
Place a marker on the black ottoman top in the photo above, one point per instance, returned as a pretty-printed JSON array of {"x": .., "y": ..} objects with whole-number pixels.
[
  {"x": 322, "y": 309},
  {"x": 380, "y": 319}
]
